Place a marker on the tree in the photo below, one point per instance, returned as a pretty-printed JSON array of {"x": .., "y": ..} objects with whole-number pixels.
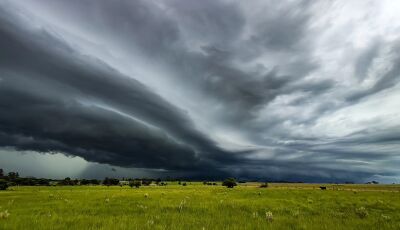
[
  {"x": 89, "y": 182},
  {"x": 1, "y": 173},
  {"x": 42, "y": 181},
  {"x": 135, "y": 183},
  {"x": 110, "y": 181},
  {"x": 229, "y": 183},
  {"x": 264, "y": 185},
  {"x": 85, "y": 182},
  {"x": 94, "y": 181},
  {"x": 3, "y": 184},
  {"x": 13, "y": 175},
  {"x": 66, "y": 181},
  {"x": 146, "y": 182}
]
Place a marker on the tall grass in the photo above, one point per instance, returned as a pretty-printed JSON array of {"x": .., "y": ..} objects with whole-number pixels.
[{"x": 197, "y": 206}]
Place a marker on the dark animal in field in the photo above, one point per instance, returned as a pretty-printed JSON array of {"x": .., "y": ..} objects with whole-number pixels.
[{"x": 322, "y": 188}]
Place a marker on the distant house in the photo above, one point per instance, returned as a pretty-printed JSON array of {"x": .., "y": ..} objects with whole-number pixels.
[{"x": 123, "y": 182}]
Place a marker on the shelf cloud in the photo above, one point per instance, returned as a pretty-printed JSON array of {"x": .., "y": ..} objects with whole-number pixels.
[{"x": 291, "y": 90}]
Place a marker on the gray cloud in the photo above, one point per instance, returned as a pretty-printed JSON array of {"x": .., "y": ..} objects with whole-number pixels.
[
  {"x": 53, "y": 114},
  {"x": 387, "y": 80},
  {"x": 210, "y": 88}
]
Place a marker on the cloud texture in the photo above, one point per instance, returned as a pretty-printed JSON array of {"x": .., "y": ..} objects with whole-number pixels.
[{"x": 291, "y": 90}]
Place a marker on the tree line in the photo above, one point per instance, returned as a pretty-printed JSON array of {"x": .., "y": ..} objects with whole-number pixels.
[{"x": 13, "y": 179}]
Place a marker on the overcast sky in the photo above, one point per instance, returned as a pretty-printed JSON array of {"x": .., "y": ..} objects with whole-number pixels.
[{"x": 283, "y": 90}]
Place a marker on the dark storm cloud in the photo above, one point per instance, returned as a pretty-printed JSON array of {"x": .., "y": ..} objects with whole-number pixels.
[
  {"x": 209, "y": 88},
  {"x": 215, "y": 69},
  {"x": 215, "y": 21},
  {"x": 96, "y": 134},
  {"x": 166, "y": 34},
  {"x": 78, "y": 76},
  {"x": 283, "y": 29},
  {"x": 43, "y": 96}
]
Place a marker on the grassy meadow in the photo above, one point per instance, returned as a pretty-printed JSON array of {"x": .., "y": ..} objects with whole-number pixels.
[{"x": 198, "y": 206}]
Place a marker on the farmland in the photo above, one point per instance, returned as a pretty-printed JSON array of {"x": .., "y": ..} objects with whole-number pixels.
[{"x": 198, "y": 206}]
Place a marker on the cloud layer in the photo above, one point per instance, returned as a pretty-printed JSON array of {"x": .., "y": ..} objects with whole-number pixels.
[{"x": 296, "y": 90}]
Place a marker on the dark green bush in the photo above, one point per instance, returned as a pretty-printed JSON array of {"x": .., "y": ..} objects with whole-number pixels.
[
  {"x": 135, "y": 183},
  {"x": 3, "y": 184},
  {"x": 264, "y": 185},
  {"x": 229, "y": 183}
]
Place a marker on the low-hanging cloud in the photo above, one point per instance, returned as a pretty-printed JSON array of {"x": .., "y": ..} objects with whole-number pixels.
[{"x": 205, "y": 89}]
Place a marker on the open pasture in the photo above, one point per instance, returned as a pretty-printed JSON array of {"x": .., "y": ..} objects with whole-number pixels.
[{"x": 198, "y": 206}]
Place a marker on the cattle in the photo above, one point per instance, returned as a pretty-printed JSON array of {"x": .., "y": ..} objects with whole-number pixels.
[{"x": 322, "y": 188}]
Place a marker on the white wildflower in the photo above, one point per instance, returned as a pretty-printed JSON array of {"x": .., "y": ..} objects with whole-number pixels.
[
  {"x": 385, "y": 217},
  {"x": 269, "y": 216},
  {"x": 255, "y": 214},
  {"x": 296, "y": 213},
  {"x": 362, "y": 212},
  {"x": 182, "y": 205},
  {"x": 4, "y": 214},
  {"x": 150, "y": 222}
]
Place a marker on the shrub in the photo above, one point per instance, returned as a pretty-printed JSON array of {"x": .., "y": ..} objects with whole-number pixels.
[
  {"x": 229, "y": 183},
  {"x": 135, "y": 183},
  {"x": 362, "y": 212},
  {"x": 85, "y": 182},
  {"x": 68, "y": 181},
  {"x": 264, "y": 185},
  {"x": 110, "y": 181},
  {"x": 184, "y": 184},
  {"x": 94, "y": 181},
  {"x": 3, "y": 184},
  {"x": 146, "y": 182}
]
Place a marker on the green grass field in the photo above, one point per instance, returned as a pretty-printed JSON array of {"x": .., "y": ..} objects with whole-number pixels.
[{"x": 196, "y": 206}]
